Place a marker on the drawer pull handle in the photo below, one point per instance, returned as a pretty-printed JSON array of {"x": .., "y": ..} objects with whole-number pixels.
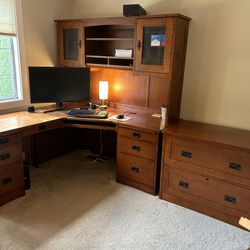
[
  {"x": 136, "y": 135},
  {"x": 186, "y": 154},
  {"x": 4, "y": 140},
  {"x": 6, "y": 180},
  {"x": 135, "y": 169},
  {"x": 4, "y": 156},
  {"x": 230, "y": 199},
  {"x": 136, "y": 148},
  {"x": 183, "y": 184},
  {"x": 41, "y": 127},
  {"x": 235, "y": 166}
]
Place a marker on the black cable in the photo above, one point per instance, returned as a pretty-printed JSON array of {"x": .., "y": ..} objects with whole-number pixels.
[{"x": 129, "y": 112}]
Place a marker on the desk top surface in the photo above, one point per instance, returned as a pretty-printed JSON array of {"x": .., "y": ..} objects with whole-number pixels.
[
  {"x": 211, "y": 133},
  {"x": 18, "y": 120}
]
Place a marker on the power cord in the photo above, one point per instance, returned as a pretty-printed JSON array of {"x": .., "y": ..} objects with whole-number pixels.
[
  {"x": 129, "y": 113},
  {"x": 98, "y": 157}
]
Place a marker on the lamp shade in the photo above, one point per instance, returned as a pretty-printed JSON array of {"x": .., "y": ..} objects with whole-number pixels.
[{"x": 103, "y": 90}]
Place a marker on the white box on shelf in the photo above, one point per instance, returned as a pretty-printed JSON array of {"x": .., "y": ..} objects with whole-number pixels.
[{"x": 123, "y": 52}]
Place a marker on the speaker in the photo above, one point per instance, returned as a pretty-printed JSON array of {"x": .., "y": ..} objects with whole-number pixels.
[
  {"x": 133, "y": 10},
  {"x": 31, "y": 109}
]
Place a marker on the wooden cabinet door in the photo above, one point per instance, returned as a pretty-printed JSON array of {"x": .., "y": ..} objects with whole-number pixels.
[
  {"x": 153, "y": 52},
  {"x": 70, "y": 44}
]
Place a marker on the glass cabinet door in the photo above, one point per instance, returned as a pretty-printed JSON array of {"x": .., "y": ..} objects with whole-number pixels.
[
  {"x": 70, "y": 44},
  {"x": 153, "y": 45}
]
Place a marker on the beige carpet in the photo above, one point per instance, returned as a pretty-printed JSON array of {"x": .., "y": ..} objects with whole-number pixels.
[{"x": 74, "y": 205}]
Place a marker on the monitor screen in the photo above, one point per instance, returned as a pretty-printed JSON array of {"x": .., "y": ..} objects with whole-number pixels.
[{"x": 58, "y": 84}]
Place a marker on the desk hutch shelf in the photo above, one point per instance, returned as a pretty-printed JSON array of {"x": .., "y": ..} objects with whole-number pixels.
[
  {"x": 102, "y": 41},
  {"x": 151, "y": 76}
]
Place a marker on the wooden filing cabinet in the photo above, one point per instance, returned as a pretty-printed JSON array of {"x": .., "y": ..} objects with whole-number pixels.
[
  {"x": 207, "y": 168},
  {"x": 137, "y": 161},
  {"x": 11, "y": 168}
]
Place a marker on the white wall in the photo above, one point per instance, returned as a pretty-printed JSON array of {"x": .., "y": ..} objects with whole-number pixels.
[{"x": 40, "y": 29}]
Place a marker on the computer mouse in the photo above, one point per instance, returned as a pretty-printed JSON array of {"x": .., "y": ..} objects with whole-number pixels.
[{"x": 120, "y": 116}]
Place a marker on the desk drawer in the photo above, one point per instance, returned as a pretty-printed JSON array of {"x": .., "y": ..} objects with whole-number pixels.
[
  {"x": 136, "y": 169},
  {"x": 137, "y": 148},
  {"x": 9, "y": 140},
  {"x": 10, "y": 154},
  {"x": 11, "y": 178},
  {"x": 41, "y": 128},
  {"x": 137, "y": 135},
  {"x": 227, "y": 160},
  {"x": 180, "y": 182}
]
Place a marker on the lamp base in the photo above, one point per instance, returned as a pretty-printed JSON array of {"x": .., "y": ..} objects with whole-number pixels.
[{"x": 103, "y": 106}]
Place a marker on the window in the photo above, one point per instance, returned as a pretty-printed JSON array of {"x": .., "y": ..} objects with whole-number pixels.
[
  {"x": 11, "y": 88},
  {"x": 8, "y": 74}
]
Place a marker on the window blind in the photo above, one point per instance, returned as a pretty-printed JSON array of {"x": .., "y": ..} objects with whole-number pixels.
[{"x": 7, "y": 17}]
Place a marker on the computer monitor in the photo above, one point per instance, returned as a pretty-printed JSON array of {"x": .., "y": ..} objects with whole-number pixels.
[{"x": 59, "y": 84}]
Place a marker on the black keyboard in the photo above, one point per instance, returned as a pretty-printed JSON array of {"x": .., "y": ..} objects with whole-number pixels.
[{"x": 88, "y": 113}]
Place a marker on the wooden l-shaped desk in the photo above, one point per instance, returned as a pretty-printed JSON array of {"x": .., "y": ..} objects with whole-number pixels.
[
  {"x": 139, "y": 137},
  {"x": 203, "y": 167}
]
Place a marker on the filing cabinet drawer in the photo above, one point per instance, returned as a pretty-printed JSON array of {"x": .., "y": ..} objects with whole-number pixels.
[
  {"x": 137, "y": 148},
  {"x": 179, "y": 182},
  {"x": 11, "y": 178},
  {"x": 227, "y": 160},
  {"x": 41, "y": 128},
  {"x": 137, "y": 135},
  {"x": 136, "y": 169},
  {"x": 10, "y": 154},
  {"x": 9, "y": 140}
]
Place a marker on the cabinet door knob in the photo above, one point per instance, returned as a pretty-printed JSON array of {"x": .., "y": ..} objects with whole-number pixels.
[
  {"x": 235, "y": 166},
  {"x": 138, "y": 44},
  {"x": 4, "y": 156},
  {"x": 135, "y": 169},
  {"x": 136, "y": 148},
  {"x": 80, "y": 44},
  {"x": 4, "y": 140},
  {"x": 183, "y": 184},
  {"x": 186, "y": 154},
  {"x": 230, "y": 199}
]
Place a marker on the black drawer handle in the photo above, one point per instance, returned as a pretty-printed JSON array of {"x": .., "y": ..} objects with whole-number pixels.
[
  {"x": 138, "y": 45},
  {"x": 230, "y": 199},
  {"x": 183, "y": 184},
  {"x": 6, "y": 180},
  {"x": 80, "y": 44},
  {"x": 136, "y": 148},
  {"x": 41, "y": 127},
  {"x": 4, "y": 156},
  {"x": 186, "y": 154},
  {"x": 135, "y": 169},
  {"x": 4, "y": 140},
  {"x": 136, "y": 135},
  {"x": 235, "y": 166}
]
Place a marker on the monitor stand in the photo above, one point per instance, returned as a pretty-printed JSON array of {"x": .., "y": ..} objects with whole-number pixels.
[{"x": 59, "y": 106}]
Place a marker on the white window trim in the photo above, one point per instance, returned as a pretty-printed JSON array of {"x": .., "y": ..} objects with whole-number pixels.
[{"x": 24, "y": 100}]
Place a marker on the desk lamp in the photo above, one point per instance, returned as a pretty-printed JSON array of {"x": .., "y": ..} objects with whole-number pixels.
[{"x": 103, "y": 93}]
